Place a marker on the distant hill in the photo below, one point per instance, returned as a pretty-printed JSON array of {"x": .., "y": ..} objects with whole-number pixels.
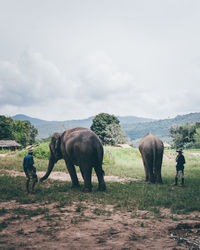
[
  {"x": 47, "y": 128},
  {"x": 159, "y": 127},
  {"x": 134, "y": 127},
  {"x": 34, "y": 121}
]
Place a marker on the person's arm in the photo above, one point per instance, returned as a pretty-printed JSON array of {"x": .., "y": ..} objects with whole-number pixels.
[
  {"x": 25, "y": 169},
  {"x": 184, "y": 160}
]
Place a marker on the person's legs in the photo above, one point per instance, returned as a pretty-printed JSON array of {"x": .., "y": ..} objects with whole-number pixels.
[
  {"x": 176, "y": 179},
  {"x": 34, "y": 180},
  {"x": 27, "y": 184},
  {"x": 182, "y": 180}
]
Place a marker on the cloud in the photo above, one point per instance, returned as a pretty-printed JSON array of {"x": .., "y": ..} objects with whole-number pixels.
[
  {"x": 32, "y": 80},
  {"x": 38, "y": 87},
  {"x": 99, "y": 79}
]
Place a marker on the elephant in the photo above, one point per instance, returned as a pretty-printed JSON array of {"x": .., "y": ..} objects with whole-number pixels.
[
  {"x": 151, "y": 149},
  {"x": 80, "y": 147}
]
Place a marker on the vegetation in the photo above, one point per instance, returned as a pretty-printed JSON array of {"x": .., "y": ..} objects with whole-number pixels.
[
  {"x": 114, "y": 135},
  {"x": 107, "y": 127},
  {"x": 131, "y": 194},
  {"x": 22, "y": 132},
  {"x": 186, "y": 136}
]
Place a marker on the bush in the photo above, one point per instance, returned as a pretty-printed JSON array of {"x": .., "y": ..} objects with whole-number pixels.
[{"x": 41, "y": 152}]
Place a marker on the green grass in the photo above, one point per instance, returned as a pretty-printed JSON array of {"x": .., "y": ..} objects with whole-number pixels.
[{"x": 126, "y": 196}]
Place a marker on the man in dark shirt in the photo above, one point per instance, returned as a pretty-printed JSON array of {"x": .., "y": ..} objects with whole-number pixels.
[
  {"x": 30, "y": 170},
  {"x": 180, "y": 161}
]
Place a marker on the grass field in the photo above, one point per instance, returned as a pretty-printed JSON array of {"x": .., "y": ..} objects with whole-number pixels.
[{"x": 131, "y": 195}]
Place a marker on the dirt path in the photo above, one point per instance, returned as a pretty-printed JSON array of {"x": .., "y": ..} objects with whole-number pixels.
[{"x": 62, "y": 176}]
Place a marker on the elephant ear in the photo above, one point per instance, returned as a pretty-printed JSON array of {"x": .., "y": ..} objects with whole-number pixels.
[
  {"x": 55, "y": 146},
  {"x": 58, "y": 153}
]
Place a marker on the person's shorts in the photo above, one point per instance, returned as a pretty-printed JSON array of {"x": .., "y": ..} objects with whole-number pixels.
[
  {"x": 180, "y": 174},
  {"x": 31, "y": 174}
]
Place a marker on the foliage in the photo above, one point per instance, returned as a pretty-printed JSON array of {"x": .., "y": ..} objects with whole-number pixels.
[
  {"x": 22, "y": 132},
  {"x": 185, "y": 136},
  {"x": 197, "y": 138},
  {"x": 6, "y": 128},
  {"x": 100, "y": 123},
  {"x": 114, "y": 135},
  {"x": 42, "y": 151}
]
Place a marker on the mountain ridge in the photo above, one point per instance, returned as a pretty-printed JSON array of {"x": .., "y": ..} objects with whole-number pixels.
[{"x": 134, "y": 127}]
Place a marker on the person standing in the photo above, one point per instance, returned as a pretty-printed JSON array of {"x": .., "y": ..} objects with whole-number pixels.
[
  {"x": 30, "y": 170},
  {"x": 180, "y": 161}
]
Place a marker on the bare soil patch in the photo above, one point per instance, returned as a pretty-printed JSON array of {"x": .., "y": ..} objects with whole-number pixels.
[
  {"x": 86, "y": 226},
  {"x": 192, "y": 153}
]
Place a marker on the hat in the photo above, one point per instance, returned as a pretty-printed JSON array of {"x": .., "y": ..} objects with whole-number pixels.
[
  {"x": 30, "y": 149},
  {"x": 179, "y": 150}
]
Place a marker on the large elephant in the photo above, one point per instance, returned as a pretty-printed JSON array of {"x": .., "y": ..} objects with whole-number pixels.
[
  {"x": 80, "y": 147},
  {"x": 151, "y": 149}
]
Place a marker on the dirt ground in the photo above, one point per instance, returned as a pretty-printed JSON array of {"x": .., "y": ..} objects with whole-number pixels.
[
  {"x": 88, "y": 226},
  {"x": 92, "y": 226}
]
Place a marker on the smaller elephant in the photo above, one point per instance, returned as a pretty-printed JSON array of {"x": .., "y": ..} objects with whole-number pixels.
[
  {"x": 80, "y": 147},
  {"x": 151, "y": 149}
]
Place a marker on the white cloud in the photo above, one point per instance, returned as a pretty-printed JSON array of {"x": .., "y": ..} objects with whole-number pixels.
[
  {"x": 149, "y": 64},
  {"x": 99, "y": 79},
  {"x": 32, "y": 80}
]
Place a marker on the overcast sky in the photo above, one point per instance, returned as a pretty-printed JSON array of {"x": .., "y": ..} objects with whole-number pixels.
[{"x": 71, "y": 59}]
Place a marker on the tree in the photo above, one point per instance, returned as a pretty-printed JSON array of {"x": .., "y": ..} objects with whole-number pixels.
[
  {"x": 114, "y": 135},
  {"x": 22, "y": 132},
  {"x": 6, "y": 132},
  {"x": 183, "y": 135},
  {"x": 100, "y": 124},
  {"x": 197, "y": 138}
]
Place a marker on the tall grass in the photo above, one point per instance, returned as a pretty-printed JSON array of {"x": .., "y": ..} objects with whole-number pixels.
[{"x": 122, "y": 162}]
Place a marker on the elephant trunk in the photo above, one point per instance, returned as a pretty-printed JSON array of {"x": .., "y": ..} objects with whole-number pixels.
[{"x": 50, "y": 167}]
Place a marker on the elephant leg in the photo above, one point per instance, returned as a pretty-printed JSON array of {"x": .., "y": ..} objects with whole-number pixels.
[
  {"x": 151, "y": 174},
  {"x": 82, "y": 173},
  {"x": 158, "y": 176},
  {"x": 147, "y": 173},
  {"x": 100, "y": 173},
  {"x": 72, "y": 173},
  {"x": 146, "y": 170},
  {"x": 87, "y": 172}
]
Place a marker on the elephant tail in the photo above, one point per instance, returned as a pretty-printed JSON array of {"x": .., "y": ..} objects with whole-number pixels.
[
  {"x": 154, "y": 160},
  {"x": 98, "y": 160}
]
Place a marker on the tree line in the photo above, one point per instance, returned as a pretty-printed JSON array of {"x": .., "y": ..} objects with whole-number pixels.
[
  {"x": 106, "y": 126},
  {"x": 185, "y": 136},
  {"x": 22, "y": 132}
]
